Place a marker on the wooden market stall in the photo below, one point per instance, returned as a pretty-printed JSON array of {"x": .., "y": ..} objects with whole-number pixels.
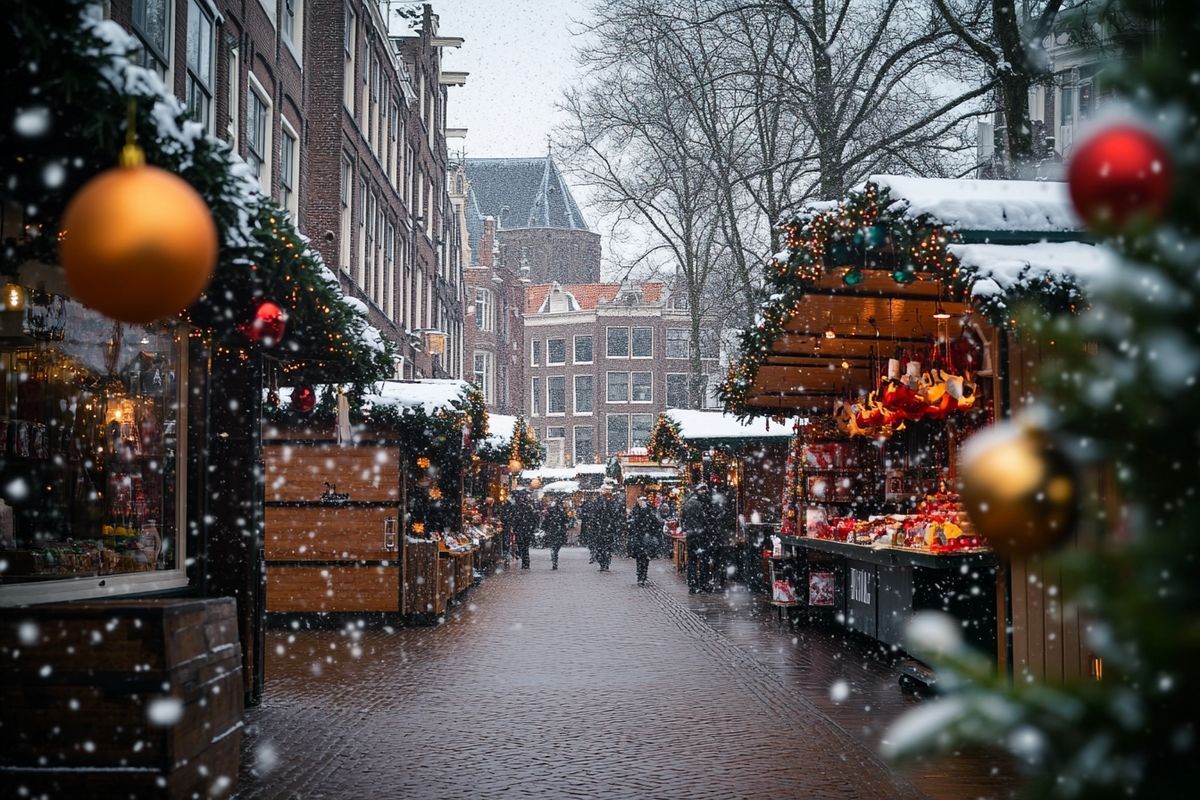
[
  {"x": 891, "y": 337},
  {"x": 373, "y": 522}
]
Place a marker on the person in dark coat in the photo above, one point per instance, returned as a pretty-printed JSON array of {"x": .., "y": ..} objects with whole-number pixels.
[
  {"x": 524, "y": 519},
  {"x": 608, "y": 526},
  {"x": 554, "y": 523},
  {"x": 696, "y": 521},
  {"x": 587, "y": 526},
  {"x": 719, "y": 527},
  {"x": 645, "y": 529}
]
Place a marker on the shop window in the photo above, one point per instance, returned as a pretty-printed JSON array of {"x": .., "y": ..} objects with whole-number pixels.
[{"x": 89, "y": 457}]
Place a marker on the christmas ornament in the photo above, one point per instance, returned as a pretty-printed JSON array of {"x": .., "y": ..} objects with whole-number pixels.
[
  {"x": 304, "y": 399},
  {"x": 268, "y": 324},
  {"x": 1019, "y": 490},
  {"x": 137, "y": 243},
  {"x": 1119, "y": 175}
]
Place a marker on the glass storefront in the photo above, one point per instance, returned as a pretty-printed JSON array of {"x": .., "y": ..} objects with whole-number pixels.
[{"x": 90, "y": 457}]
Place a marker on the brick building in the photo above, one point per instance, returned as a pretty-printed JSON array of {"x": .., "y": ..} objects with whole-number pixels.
[
  {"x": 542, "y": 234},
  {"x": 343, "y": 121},
  {"x": 603, "y": 359}
]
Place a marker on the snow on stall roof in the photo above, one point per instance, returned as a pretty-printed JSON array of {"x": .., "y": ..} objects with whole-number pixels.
[
  {"x": 997, "y": 269},
  {"x": 431, "y": 395},
  {"x": 695, "y": 424},
  {"x": 590, "y": 469},
  {"x": 985, "y": 205},
  {"x": 649, "y": 471},
  {"x": 500, "y": 429},
  {"x": 561, "y": 487},
  {"x": 549, "y": 474}
]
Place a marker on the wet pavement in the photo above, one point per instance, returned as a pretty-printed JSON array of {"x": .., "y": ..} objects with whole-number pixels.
[{"x": 574, "y": 683}]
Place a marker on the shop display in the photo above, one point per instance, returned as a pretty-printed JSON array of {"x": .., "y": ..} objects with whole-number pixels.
[{"x": 88, "y": 447}]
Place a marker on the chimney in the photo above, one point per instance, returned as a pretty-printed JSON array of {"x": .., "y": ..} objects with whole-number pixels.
[{"x": 487, "y": 243}]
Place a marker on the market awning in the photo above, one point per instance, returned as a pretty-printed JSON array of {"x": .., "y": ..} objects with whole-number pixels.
[{"x": 650, "y": 473}]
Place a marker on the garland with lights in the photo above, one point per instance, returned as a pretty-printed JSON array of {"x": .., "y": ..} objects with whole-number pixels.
[
  {"x": 871, "y": 230},
  {"x": 525, "y": 446},
  {"x": 666, "y": 441},
  {"x": 88, "y": 66}
]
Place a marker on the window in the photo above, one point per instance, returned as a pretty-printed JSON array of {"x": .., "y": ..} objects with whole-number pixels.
[
  {"x": 233, "y": 98},
  {"x": 556, "y": 394},
  {"x": 642, "y": 387},
  {"x": 583, "y": 349},
  {"x": 710, "y": 343},
  {"x": 617, "y": 343},
  {"x": 585, "y": 444},
  {"x": 556, "y": 432},
  {"x": 483, "y": 374},
  {"x": 677, "y": 390},
  {"x": 584, "y": 394},
  {"x": 347, "y": 189},
  {"x": 289, "y": 170},
  {"x": 152, "y": 25},
  {"x": 617, "y": 434},
  {"x": 199, "y": 89},
  {"x": 502, "y": 393},
  {"x": 292, "y": 26},
  {"x": 556, "y": 351},
  {"x": 535, "y": 398},
  {"x": 535, "y": 352},
  {"x": 618, "y": 387},
  {"x": 678, "y": 343},
  {"x": 348, "y": 42},
  {"x": 257, "y": 135},
  {"x": 389, "y": 285},
  {"x": 483, "y": 309},
  {"x": 363, "y": 201},
  {"x": 643, "y": 342},
  {"x": 366, "y": 266},
  {"x": 639, "y": 432}
]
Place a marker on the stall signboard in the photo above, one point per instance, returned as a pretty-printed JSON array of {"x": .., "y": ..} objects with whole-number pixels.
[{"x": 860, "y": 597}]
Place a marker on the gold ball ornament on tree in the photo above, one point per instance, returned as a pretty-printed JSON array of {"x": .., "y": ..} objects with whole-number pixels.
[
  {"x": 1020, "y": 491},
  {"x": 138, "y": 243}
]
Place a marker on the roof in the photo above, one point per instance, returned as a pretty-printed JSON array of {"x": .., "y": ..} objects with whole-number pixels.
[
  {"x": 985, "y": 205},
  {"x": 500, "y": 429},
  {"x": 655, "y": 472},
  {"x": 997, "y": 270},
  {"x": 588, "y": 295},
  {"x": 561, "y": 487},
  {"x": 519, "y": 193},
  {"x": 703, "y": 425},
  {"x": 430, "y": 395}
]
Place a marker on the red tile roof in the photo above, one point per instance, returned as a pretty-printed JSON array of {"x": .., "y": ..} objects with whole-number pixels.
[{"x": 588, "y": 295}]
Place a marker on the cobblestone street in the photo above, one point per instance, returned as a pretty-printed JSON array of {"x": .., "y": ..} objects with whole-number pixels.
[{"x": 581, "y": 684}]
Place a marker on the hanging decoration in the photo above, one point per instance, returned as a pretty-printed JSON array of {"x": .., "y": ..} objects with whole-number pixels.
[
  {"x": 1020, "y": 491},
  {"x": 1120, "y": 176},
  {"x": 304, "y": 399},
  {"x": 666, "y": 441},
  {"x": 137, "y": 243},
  {"x": 268, "y": 325}
]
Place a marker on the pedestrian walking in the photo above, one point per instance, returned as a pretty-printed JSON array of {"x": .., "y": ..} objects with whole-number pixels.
[
  {"x": 523, "y": 518},
  {"x": 609, "y": 527},
  {"x": 696, "y": 520},
  {"x": 645, "y": 529},
  {"x": 587, "y": 526},
  {"x": 554, "y": 523}
]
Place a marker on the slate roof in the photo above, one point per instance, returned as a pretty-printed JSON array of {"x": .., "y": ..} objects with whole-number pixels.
[
  {"x": 519, "y": 193},
  {"x": 588, "y": 295}
]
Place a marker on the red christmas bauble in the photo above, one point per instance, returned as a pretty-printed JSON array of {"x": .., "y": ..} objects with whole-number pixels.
[
  {"x": 1120, "y": 174},
  {"x": 268, "y": 324},
  {"x": 304, "y": 399}
]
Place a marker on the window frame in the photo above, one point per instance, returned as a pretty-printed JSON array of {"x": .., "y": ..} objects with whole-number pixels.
[
  {"x": 687, "y": 343},
  {"x": 346, "y": 200},
  {"x": 535, "y": 396},
  {"x": 632, "y": 330},
  {"x": 259, "y": 93},
  {"x": 608, "y": 420},
  {"x": 607, "y": 342},
  {"x": 550, "y": 412},
  {"x": 488, "y": 368},
  {"x": 294, "y": 40},
  {"x": 160, "y": 53},
  {"x": 608, "y": 387},
  {"x": 206, "y": 88},
  {"x": 580, "y": 412},
  {"x": 687, "y": 391},
  {"x": 649, "y": 420},
  {"x": 575, "y": 429},
  {"x": 535, "y": 349},
  {"x": 289, "y": 175},
  {"x": 551, "y": 363},
  {"x": 649, "y": 385},
  {"x": 575, "y": 348}
]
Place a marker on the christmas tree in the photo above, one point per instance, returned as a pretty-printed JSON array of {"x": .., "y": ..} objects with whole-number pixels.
[{"x": 1116, "y": 402}]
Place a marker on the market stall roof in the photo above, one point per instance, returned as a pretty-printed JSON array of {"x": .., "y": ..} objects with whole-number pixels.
[
  {"x": 500, "y": 429},
  {"x": 984, "y": 208},
  {"x": 707, "y": 428},
  {"x": 998, "y": 270},
  {"x": 656, "y": 472},
  {"x": 430, "y": 394},
  {"x": 561, "y": 487}
]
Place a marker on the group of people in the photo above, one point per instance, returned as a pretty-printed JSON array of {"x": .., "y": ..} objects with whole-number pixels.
[{"x": 604, "y": 527}]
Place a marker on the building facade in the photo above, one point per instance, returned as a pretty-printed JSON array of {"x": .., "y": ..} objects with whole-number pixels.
[
  {"x": 342, "y": 119},
  {"x": 602, "y": 360}
]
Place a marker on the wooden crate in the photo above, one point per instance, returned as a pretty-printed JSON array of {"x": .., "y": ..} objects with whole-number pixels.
[
  {"x": 300, "y": 471},
  {"x": 302, "y": 588},
  {"x": 329, "y": 533},
  {"x": 79, "y": 683}
]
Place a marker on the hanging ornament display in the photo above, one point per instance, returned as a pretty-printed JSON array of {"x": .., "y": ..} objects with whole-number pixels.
[
  {"x": 304, "y": 399},
  {"x": 268, "y": 325},
  {"x": 1118, "y": 176},
  {"x": 137, "y": 242},
  {"x": 1019, "y": 490}
]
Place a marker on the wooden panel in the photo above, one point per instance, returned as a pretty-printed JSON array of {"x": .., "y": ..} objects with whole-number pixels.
[
  {"x": 1020, "y": 616},
  {"x": 300, "y": 472},
  {"x": 421, "y": 583},
  {"x": 1053, "y": 626},
  {"x": 333, "y": 588},
  {"x": 328, "y": 533}
]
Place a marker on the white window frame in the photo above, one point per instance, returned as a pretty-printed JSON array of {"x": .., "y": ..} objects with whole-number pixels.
[
  {"x": 289, "y": 196},
  {"x": 628, "y": 341},
  {"x": 259, "y": 92},
  {"x": 389, "y": 285},
  {"x": 346, "y": 200},
  {"x": 484, "y": 318},
  {"x": 535, "y": 397},
  {"x": 576, "y": 410},
  {"x": 687, "y": 339},
  {"x": 687, "y": 390},
  {"x": 234, "y": 98},
  {"x": 549, "y": 412},
  {"x": 199, "y": 10},
  {"x": 550, "y": 339},
  {"x": 164, "y": 57},
  {"x": 607, "y": 422},
  {"x": 643, "y": 328},
  {"x": 349, "y": 57},
  {"x": 608, "y": 394},
  {"x": 294, "y": 41},
  {"x": 488, "y": 369},
  {"x": 364, "y": 194},
  {"x": 575, "y": 443},
  {"x": 649, "y": 429},
  {"x": 575, "y": 345},
  {"x": 649, "y": 383},
  {"x": 534, "y": 349}
]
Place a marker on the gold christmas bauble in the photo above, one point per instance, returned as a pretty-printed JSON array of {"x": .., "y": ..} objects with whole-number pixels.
[
  {"x": 1019, "y": 490},
  {"x": 138, "y": 244}
]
